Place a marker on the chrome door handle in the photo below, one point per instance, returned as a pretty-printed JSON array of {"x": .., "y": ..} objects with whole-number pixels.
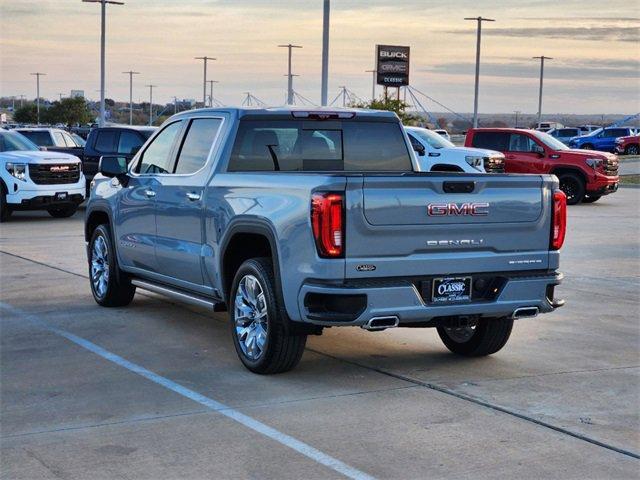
[
  {"x": 193, "y": 196},
  {"x": 150, "y": 193}
]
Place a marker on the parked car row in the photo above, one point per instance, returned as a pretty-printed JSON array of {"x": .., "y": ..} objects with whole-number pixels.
[{"x": 585, "y": 176}]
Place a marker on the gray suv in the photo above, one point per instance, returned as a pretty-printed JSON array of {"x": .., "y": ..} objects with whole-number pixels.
[{"x": 296, "y": 220}]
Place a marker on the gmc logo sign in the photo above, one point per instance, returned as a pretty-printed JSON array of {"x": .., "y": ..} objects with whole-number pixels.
[
  {"x": 59, "y": 168},
  {"x": 476, "y": 209}
]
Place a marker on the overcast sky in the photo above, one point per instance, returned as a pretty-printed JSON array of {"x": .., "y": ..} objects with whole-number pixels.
[{"x": 595, "y": 45}]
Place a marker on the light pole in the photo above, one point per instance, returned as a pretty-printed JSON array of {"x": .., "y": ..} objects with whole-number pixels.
[
  {"x": 475, "y": 98},
  {"x": 151, "y": 87},
  {"x": 325, "y": 52},
  {"x": 38, "y": 75},
  {"x": 61, "y": 95},
  {"x": 373, "y": 83},
  {"x": 131, "y": 73},
  {"x": 22, "y": 96},
  {"x": 542, "y": 59},
  {"x": 103, "y": 8},
  {"x": 204, "y": 84},
  {"x": 211, "y": 82},
  {"x": 517, "y": 112},
  {"x": 289, "y": 74},
  {"x": 175, "y": 105}
]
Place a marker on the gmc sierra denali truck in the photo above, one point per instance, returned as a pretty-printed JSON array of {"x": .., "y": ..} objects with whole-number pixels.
[{"x": 296, "y": 220}]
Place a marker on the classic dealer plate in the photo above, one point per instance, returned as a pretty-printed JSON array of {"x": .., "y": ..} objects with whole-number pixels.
[{"x": 451, "y": 289}]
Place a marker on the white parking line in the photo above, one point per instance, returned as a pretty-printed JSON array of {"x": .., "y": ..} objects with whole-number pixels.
[{"x": 249, "y": 422}]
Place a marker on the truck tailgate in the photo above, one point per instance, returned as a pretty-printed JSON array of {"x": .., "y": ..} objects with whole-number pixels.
[{"x": 432, "y": 224}]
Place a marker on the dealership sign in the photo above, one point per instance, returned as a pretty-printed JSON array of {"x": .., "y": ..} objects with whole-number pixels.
[{"x": 392, "y": 65}]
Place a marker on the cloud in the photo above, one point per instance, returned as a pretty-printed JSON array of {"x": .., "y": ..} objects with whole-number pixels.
[
  {"x": 579, "y": 70},
  {"x": 624, "y": 34}
]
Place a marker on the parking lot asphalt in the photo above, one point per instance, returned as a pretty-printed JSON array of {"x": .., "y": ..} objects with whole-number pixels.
[{"x": 155, "y": 390}]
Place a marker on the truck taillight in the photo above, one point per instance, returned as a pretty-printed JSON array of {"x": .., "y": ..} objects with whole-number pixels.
[
  {"x": 327, "y": 220},
  {"x": 559, "y": 220}
]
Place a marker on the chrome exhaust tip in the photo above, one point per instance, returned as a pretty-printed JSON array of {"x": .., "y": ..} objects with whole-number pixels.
[
  {"x": 381, "y": 323},
  {"x": 525, "y": 312}
]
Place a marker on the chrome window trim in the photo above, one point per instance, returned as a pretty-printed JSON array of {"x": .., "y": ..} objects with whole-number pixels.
[{"x": 214, "y": 143}]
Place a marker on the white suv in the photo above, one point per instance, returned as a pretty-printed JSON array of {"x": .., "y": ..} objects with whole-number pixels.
[
  {"x": 437, "y": 154},
  {"x": 31, "y": 179}
]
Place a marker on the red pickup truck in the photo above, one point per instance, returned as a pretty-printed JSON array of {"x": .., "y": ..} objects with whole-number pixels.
[
  {"x": 585, "y": 175},
  {"x": 628, "y": 145}
]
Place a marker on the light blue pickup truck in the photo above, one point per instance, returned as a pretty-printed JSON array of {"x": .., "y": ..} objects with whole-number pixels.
[{"x": 296, "y": 220}]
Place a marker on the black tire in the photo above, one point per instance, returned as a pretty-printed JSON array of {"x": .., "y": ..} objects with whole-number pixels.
[
  {"x": 591, "y": 198},
  {"x": 587, "y": 146},
  {"x": 118, "y": 290},
  {"x": 573, "y": 187},
  {"x": 488, "y": 336},
  {"x": 5, "y": 210},
  {"x": 281, "y": 350},
  {"x": 63, "y": 212},
  {"x": 632, "y": 149}
]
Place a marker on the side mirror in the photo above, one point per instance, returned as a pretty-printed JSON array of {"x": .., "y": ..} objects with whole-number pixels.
[
  {"x": 112, "y": 166},
  {"x": 419, "y": 149}
]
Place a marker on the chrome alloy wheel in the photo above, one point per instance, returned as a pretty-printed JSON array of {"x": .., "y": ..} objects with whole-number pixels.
[
  {"x": 100, "y": 266},
  {"x": 461, "y": 334},
  {"x": 250, "y": 317}
]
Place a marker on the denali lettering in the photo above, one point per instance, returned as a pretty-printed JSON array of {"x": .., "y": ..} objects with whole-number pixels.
[
  {"x": 458, "y": 209},
  {"x": 472, "y": 242}
]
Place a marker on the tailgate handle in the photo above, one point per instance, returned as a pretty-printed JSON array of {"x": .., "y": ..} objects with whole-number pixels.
[{"x": 458, "y": 187}]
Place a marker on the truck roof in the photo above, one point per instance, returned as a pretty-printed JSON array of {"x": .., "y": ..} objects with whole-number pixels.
[{"x": 288, "y": 112}]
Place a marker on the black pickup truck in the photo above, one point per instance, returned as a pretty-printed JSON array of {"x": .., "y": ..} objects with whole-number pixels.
[{"x": 121, "y": 140}]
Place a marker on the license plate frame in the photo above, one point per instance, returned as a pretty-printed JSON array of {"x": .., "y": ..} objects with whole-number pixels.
[{"x": 455, "y": 289}]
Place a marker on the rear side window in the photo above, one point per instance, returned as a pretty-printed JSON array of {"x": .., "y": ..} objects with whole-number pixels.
[
  {"x": 298, "y": 145},
  {"x": 197, "y": 144},
  {"x": 491, "y": 140},
  {"x": 68, "y": 140},
  {"x": 106, "y": 141},
  {"x": 616, "y": 132},
  {"x": 59, "y": 139},
  {"x": 129, "y": 142}
]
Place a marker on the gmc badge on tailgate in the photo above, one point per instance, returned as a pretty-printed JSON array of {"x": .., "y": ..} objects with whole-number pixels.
[{"x": 475, "y": 209}]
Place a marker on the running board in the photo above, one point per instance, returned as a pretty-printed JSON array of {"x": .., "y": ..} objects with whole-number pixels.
[{"x": 178, "y": 295}]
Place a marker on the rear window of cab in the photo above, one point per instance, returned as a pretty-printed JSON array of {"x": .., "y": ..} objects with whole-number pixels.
[{"x": 312, "y": 145}]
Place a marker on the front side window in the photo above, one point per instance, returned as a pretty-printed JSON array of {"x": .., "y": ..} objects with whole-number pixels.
[
  {"x": 157, "y": 157},
  {"x": 196, "y": 145},
  {"x": 432, "y": 138},
  {"x": 307, "y": 145},
  {"x": 549, "y": 141},
  {"x": 521, "y": 143},
  {"x": 129, "y": 143},
  {"x": 15, "y": 142}
]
